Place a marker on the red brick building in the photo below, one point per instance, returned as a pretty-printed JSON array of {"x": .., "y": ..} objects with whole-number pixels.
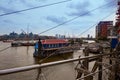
[
  {"x": 103, "y": 29},
  {"x": 117, "y": 24}
]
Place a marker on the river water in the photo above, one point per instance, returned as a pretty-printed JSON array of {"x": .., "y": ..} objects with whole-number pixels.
[{"x": 23, "y": 56}]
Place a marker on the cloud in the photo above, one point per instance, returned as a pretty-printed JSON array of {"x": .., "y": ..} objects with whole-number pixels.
[
  {"x": 80, "y": 5},
  {"x": 27, "y": 3},
  {"x": 113, "y": 4},
  {"x": 30, "y": 3},
  {"x": 80, "y": 13},
  {"x": 8, "y": 21},
  {"x": 8, "y": 7},
  {"x": 5, "y": 10},
  {"x": 41, "y": 0},
  {"x": 113, "y": 1},
  {"x": 80, "y": 8},
  {"x": 11, "y": 1},
  {"x": 24, "y": 2},
  {"x": 56, "y": 19}
]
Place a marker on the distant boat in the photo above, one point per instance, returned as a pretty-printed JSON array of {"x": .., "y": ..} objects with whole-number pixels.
[
  {"x": 27, "y": 44},
  {"x": 8, "y": 41},
  {"x": 16, "y": 44},
  {"x": 52, "y": 47}
]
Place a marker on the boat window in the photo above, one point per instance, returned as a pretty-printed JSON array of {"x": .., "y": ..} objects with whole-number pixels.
[
  {"x": 44, "y": 45},
  {"x": 55, "y": 45},
  {"x": 61, "y": 44},
  {"x": 49, "y": 45},
  {"x": 52, "y": 45}
]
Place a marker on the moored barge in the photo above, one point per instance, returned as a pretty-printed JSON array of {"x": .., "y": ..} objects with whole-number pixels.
[{"x": 49, "y": 47}]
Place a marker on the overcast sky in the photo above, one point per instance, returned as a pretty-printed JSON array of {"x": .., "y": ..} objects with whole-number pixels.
[{"x": 41, "y": 19}]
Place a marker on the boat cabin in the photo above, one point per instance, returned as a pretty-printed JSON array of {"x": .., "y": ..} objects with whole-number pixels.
[
  {"x": 52, "y": 43},
  {"x": 49, "y": 46}
]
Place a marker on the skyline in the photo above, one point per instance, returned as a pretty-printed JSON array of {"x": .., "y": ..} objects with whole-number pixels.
[{"x": 39, "y": 20}]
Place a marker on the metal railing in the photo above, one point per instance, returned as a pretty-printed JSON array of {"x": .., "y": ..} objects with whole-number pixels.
[{"x": 37, "y": 66}]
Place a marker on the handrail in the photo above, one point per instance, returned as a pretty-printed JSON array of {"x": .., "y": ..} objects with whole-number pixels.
[{"x": 36, "y": 66}]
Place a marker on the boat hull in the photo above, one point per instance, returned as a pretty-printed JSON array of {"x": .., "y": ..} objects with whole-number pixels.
[{"x": 44, "y": 54}]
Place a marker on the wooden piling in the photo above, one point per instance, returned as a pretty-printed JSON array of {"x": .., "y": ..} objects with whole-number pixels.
[
  {"x": 86, "y": 66},
  {"x": 39, "y": 47},
  {"x": 100, "y": 68}
]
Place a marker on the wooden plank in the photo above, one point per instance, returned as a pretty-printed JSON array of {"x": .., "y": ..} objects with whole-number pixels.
[
  {"x": 95, "y": 67},
  {"x": 83, "y": 70},
  {"x": 93, "y": 59},
  {"x": 79, "y": 74}
]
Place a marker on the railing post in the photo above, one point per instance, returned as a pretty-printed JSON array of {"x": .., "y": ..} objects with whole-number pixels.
[
  {"x": 79, "y": 73},
  {"x": 100, "y": 68},
  {"x": 86, "y": 63},
  {"x": 38, "y": 75},
  {"x": 112, "y": 69}
]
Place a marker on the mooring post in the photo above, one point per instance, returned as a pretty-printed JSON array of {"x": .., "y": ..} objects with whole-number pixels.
[
  {"x": 39, "y": 54},
  {"x": 39, "y": 47}
]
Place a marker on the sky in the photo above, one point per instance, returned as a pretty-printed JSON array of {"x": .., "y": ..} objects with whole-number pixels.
[{"x": 41, "y": 19}]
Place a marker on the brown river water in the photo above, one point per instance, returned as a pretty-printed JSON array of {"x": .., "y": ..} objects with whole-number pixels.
[{"x": 23, "y": 56}]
